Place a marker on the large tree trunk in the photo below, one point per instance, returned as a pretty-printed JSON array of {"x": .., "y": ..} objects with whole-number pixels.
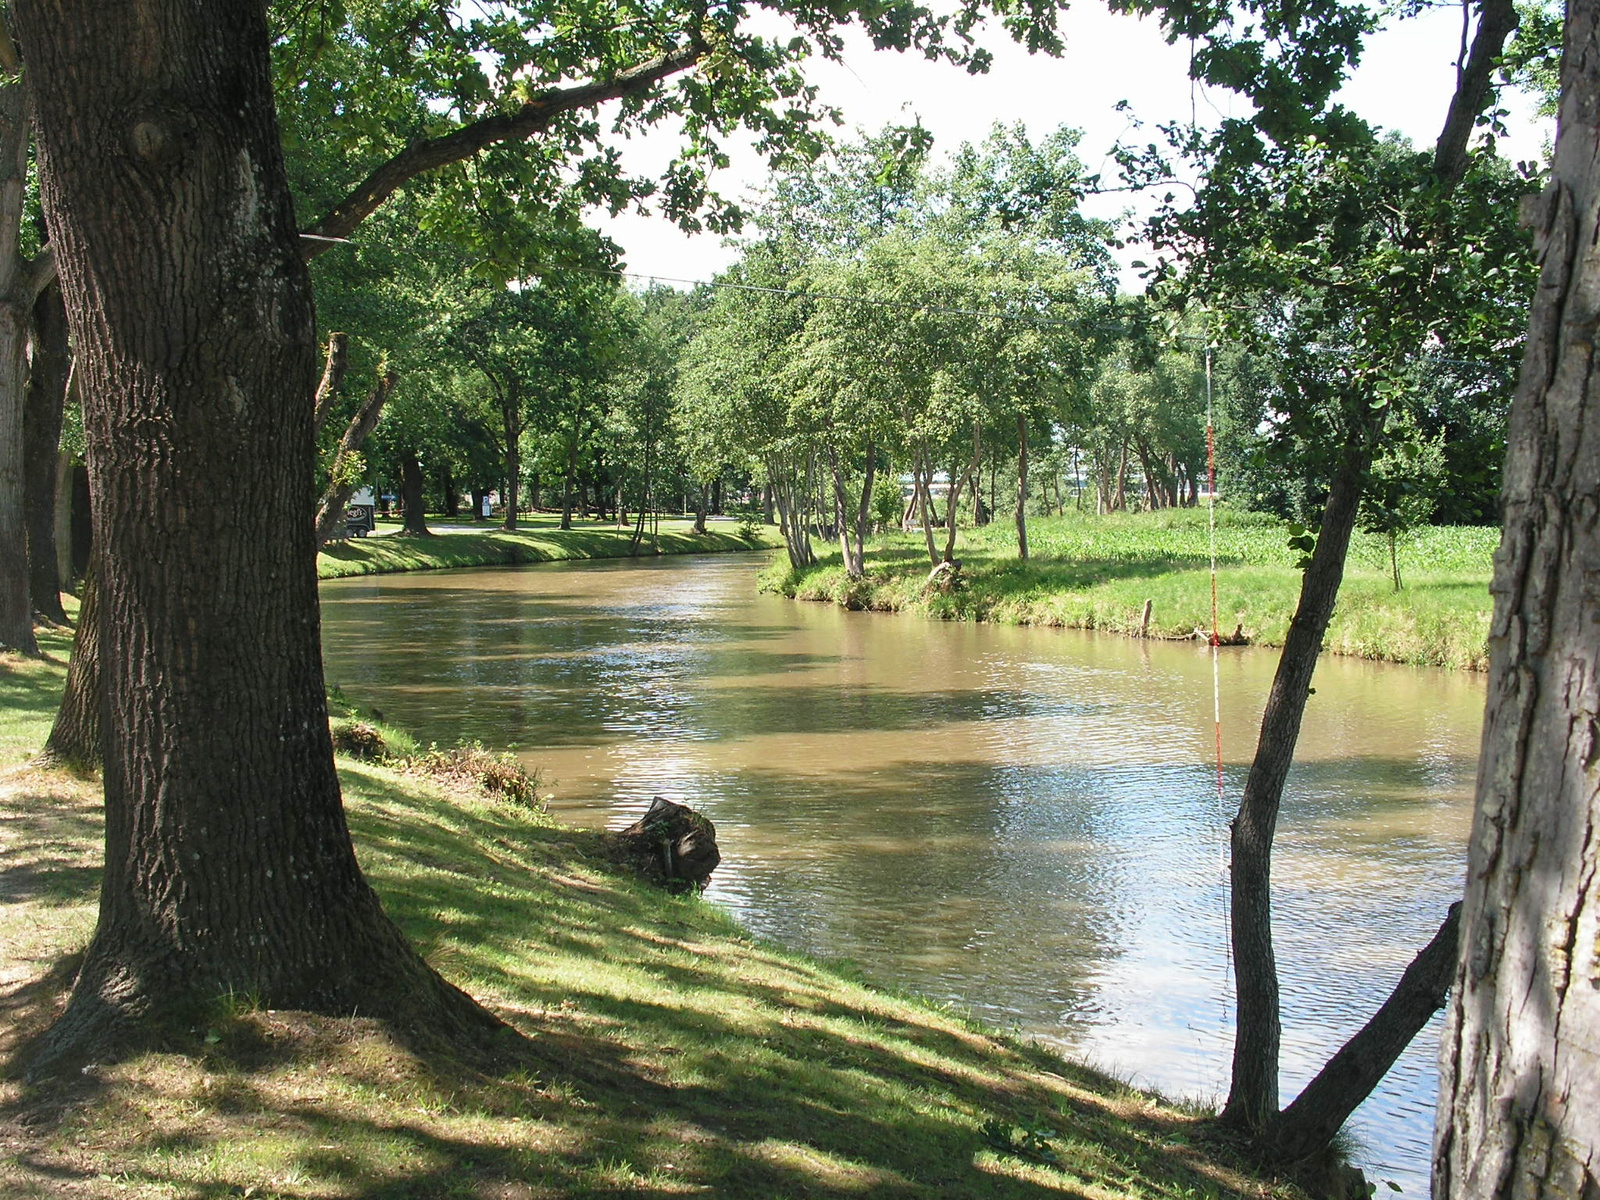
[
  {"x": 511, "y": 428},
  {"x": 16, "y": 303},
  {"x": 47, "y": 391},
  {"x": 1253, "y": 1097},
  {"x": 411, "y": 501},
  {"x": 342, "y": 480},
  {"x": 451, "y": 505},
  {"x": 74, "y": 739},
  {"x": 228, "y": 862},
  {"x": 1519, "y": 1088},
  {"x": 700, "y": 509}
]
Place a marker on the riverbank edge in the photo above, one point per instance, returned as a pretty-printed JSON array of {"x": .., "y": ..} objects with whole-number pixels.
[
  {"x": 708, "y": 1059},
  {"x": 398, "y": 552},
  {"x": 1367, "y": 623}
]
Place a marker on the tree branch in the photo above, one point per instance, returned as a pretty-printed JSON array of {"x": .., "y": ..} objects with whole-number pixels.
[
  {"x": 1496, "y": 21},
  {"x": 333, "y": 371},
  {"x": 1319, "y": 1112},
  {"x": 40, "y": 272},
  {"x": 528, "y": 121}
]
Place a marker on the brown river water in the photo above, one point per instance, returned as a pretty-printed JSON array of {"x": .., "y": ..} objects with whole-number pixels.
[{"x": 1023, "y": 823}]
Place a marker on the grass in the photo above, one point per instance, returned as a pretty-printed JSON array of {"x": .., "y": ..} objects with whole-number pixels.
[
  {"x": 667, "y": 1054},
  {"x": 30, "y": 689},
  {"x": 1090, "y": 572},
  {"x": 478, "y": 544}
]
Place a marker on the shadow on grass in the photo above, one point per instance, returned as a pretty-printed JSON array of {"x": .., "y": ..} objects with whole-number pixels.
[{"x": 663, "y": 1053}]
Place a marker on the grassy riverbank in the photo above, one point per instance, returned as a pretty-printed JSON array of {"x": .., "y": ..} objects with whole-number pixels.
[
  {"x": 667, "y": 1052},
  {"x": 477, "y": 544},
  {"x": 1091, "y": 572}
]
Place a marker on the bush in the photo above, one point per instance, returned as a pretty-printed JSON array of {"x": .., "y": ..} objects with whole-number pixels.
[
  {"x": 358, "y": 739},
  {"x": 501, "y": 776}
]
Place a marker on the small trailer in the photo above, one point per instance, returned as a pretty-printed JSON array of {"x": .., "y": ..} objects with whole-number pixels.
[{"x": 360, "y": 514}]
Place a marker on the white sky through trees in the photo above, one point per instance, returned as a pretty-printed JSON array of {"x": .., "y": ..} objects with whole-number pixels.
[{"x": 1404, "y": 83}]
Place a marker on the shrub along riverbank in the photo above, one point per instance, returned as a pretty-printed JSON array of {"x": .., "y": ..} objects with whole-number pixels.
[
  {"x": 666, "y": 1052},
  {"x": 465, "y": 544},
  {"x": 1090, "y": 572}
]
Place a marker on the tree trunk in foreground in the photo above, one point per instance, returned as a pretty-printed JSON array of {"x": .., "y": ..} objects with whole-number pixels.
[
  {"x": 1519, "y": 1087},
  {"x": 1308, "y": 1125},
  {"x": 341, "y": 479},
  {"x": 75, "y": 737},
  {"x": 1253, "y": 1096},
  {"x": 16, "y": 303},
  {"x": 41, "y": 424},
  {"x": 228, "y": 861}
]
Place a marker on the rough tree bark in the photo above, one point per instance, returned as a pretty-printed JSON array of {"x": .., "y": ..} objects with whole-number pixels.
[
  {"x": 228, "y": 861},
  {"x": 1519, "y": 1087},
  {"x": 41, "y": 429},
  {"x": 1253, "y": 1097},
  {"x": 342, "y": 482},
  {"x": 21, "y": 280},
  {"x": 700, "y": 508}
]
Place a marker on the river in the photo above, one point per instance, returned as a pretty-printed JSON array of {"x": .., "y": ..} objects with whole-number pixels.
[{"x": 1023, "y": 823}]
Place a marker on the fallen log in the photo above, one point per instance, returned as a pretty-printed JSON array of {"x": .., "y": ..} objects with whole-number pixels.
[{"x": 672, "y": 845}]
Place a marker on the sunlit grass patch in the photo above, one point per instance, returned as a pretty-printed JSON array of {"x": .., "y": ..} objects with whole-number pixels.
[
  {"x": 1088, "y": 572},
  {"x": 541, "y": 541},
  {"x": 30, "y": 689}
]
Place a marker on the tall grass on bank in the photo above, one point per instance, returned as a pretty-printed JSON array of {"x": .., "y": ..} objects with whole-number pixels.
[
  {"x": 1089, "y": 572},
  {"x": 541, "y": 541}
]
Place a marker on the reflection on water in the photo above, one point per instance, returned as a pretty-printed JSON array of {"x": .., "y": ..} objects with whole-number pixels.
[{"x": 1021, "y": 822}]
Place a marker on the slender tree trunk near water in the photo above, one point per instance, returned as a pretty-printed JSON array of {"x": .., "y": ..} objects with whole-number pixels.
[
  {"x": 1253, "y": 1096},
  {"x": 1022, "y": 487},
  {"x": 1519, "y": 1086},
  {"x": 334, "y": 366},
  {"x": 700, "y": 508},
  {"x": 1309, "y": 1125},
  {"x": 46, "y": 400},
  {"x": 572, "y": 469},
  {"x": 228, "y": 864},
  {"x": 341, "y": 480},
  {"x": 922, "y": 480}
]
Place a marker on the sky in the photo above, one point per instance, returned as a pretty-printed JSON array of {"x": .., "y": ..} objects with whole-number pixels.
[{"x": 1404, "y": 83}]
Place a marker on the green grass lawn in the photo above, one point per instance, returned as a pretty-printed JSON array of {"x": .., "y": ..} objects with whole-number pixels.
[
  {"x": 664, "y": 1052},
  {"x": 1092, "y": 572},
  {"x": 463, "y": 543}
]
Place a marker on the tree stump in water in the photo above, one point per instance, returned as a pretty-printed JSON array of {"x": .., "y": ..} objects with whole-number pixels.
[{"x": 672, "y": 845}]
